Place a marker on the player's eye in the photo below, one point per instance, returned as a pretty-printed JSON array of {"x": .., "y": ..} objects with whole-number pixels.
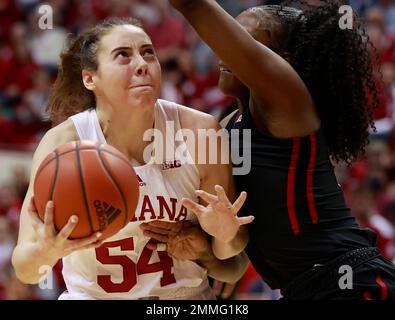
[
  {"x": 149, "y": 52},
  {"x": 122, "y": 54}
]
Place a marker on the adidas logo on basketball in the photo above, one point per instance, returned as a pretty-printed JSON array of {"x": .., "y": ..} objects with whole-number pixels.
[{"x": 106, "y": 213}]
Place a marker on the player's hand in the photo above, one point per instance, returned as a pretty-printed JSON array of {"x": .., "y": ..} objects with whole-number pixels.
[
  {"x": 183, "y": 240},
  {"x": 223, "y": 290},
  {"x": 219, "y": 218},
  {"x": 56, "y": 244}
]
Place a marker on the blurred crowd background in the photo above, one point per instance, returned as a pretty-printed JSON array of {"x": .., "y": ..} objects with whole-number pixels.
[{"x": 28, "y": 66}]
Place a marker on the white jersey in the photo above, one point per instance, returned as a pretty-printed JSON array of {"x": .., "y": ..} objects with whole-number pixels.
[{"x": 123, "y": 267}]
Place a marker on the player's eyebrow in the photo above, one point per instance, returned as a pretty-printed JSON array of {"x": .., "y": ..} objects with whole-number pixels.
[
  {"x": 121, "y": 48},
  {"x": 144, "y": 46}
]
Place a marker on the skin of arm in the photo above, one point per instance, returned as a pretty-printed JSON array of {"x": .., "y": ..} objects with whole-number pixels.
[
  {"x": 230, "y": 270},
  {"x": 38, "y": 243},
  {"x": 187, "y": 241},
  {"x": 215, "y": 174},
  {"x": 275, "y": 86}
]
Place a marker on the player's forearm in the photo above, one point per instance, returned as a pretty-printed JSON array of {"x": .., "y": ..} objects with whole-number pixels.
[
  {"x": 229, "y": 270},
  {"x": 31, "y": 263},
  {"x": 225, "y": 250},
  {"x": 196, "y": 12},
  {"x": 185, "y": 6}
]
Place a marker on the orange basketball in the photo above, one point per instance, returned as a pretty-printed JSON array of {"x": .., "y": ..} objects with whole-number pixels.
[{"x": 94, "y": 181}]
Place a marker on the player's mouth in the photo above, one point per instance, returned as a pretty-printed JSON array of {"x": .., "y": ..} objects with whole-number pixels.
[{"x": 141, "y": 86}]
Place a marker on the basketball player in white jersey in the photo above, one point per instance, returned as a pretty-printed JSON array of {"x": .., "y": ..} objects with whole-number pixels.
[{"x": 107, "y": 90}]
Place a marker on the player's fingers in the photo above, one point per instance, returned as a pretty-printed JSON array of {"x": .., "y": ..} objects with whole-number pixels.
[
  {"x": 32, "y": 205},
  {"x": 190, "y": 250},
  {"x": 196, "y": 208},
  {"x": 151, "y": 246},
  {"x": 245, "y": 220},
  {"x": 147, "y": 227},
  {"x": 84, "y": 242},
  {"x": 228, "y": 290},
  {"x": 172, "y": 243},
  {"x": 195, "y": 233},
  {"x": 220, "y": 206},
  {"x": 48, "y": 219},
  {"x": 33, "y": 214},
  {"x": 186, "y": 224},
  {"x": 164, "y": 225},
  {"x": 156, "y": 236},
  {"x": 160, "y": 224},
  {"x": 208, "y": 197},
  {"x": 161, "y": 246},
  {"x": 222, "y": 195},
  {"x": 68, "y": 228},
  {"x": 93, "y": 245},
  {"x": 239, "y": 202},
  {"x": 217, "y": 287}
]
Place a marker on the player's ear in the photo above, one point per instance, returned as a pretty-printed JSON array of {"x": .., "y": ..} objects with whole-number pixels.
[{"x": 88, "y": 79}]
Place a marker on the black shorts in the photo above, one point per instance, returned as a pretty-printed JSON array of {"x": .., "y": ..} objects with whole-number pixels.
[{"x": 372, "y": 278}]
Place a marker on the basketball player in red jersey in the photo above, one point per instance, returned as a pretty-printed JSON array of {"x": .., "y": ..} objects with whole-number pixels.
[{"x": 107, "y": 90}]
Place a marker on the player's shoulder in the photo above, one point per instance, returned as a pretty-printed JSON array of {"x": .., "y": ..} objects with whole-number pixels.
[
  {"x": 57, "y": 136},
  {"x": 195, "y": 119},
  {"x": 53, "y": 138},
  {"x": 62, "y": 133}
]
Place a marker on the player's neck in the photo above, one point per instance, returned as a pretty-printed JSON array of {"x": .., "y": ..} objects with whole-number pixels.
[{"x": 124, "y": 129}]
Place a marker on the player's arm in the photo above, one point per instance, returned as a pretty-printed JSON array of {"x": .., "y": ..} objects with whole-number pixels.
[
  {"x": 230, "y": 236},
  {"x": 187, "y": 241},
  {"x": 271, "y": 78},
  {"x": 38, "y": 244},
  {"x": 217, "y": 180},
  {"x": 229, "y": 270}
]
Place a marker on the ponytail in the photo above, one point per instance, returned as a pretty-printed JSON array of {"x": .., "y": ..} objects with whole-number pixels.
[{"x": 69, "y": 94}]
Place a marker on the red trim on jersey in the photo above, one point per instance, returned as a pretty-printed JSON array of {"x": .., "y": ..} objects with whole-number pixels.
[
  {"x": 291, "y": 186},
  {"x": 384, "y": 288},
  {"x": 366, "y": 296},
  {"x": 310, "y": 172}
]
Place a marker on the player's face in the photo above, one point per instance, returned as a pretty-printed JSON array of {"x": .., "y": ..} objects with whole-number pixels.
[
  {"x": 228, "y": 82},
  {"x": 129, "y": 73}
]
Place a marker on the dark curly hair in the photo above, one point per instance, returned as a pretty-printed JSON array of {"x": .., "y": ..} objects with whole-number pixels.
[{"x": 336, "y": 65}]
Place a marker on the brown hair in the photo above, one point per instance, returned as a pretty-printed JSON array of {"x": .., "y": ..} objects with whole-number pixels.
[{"x": 69, "y": 95}]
